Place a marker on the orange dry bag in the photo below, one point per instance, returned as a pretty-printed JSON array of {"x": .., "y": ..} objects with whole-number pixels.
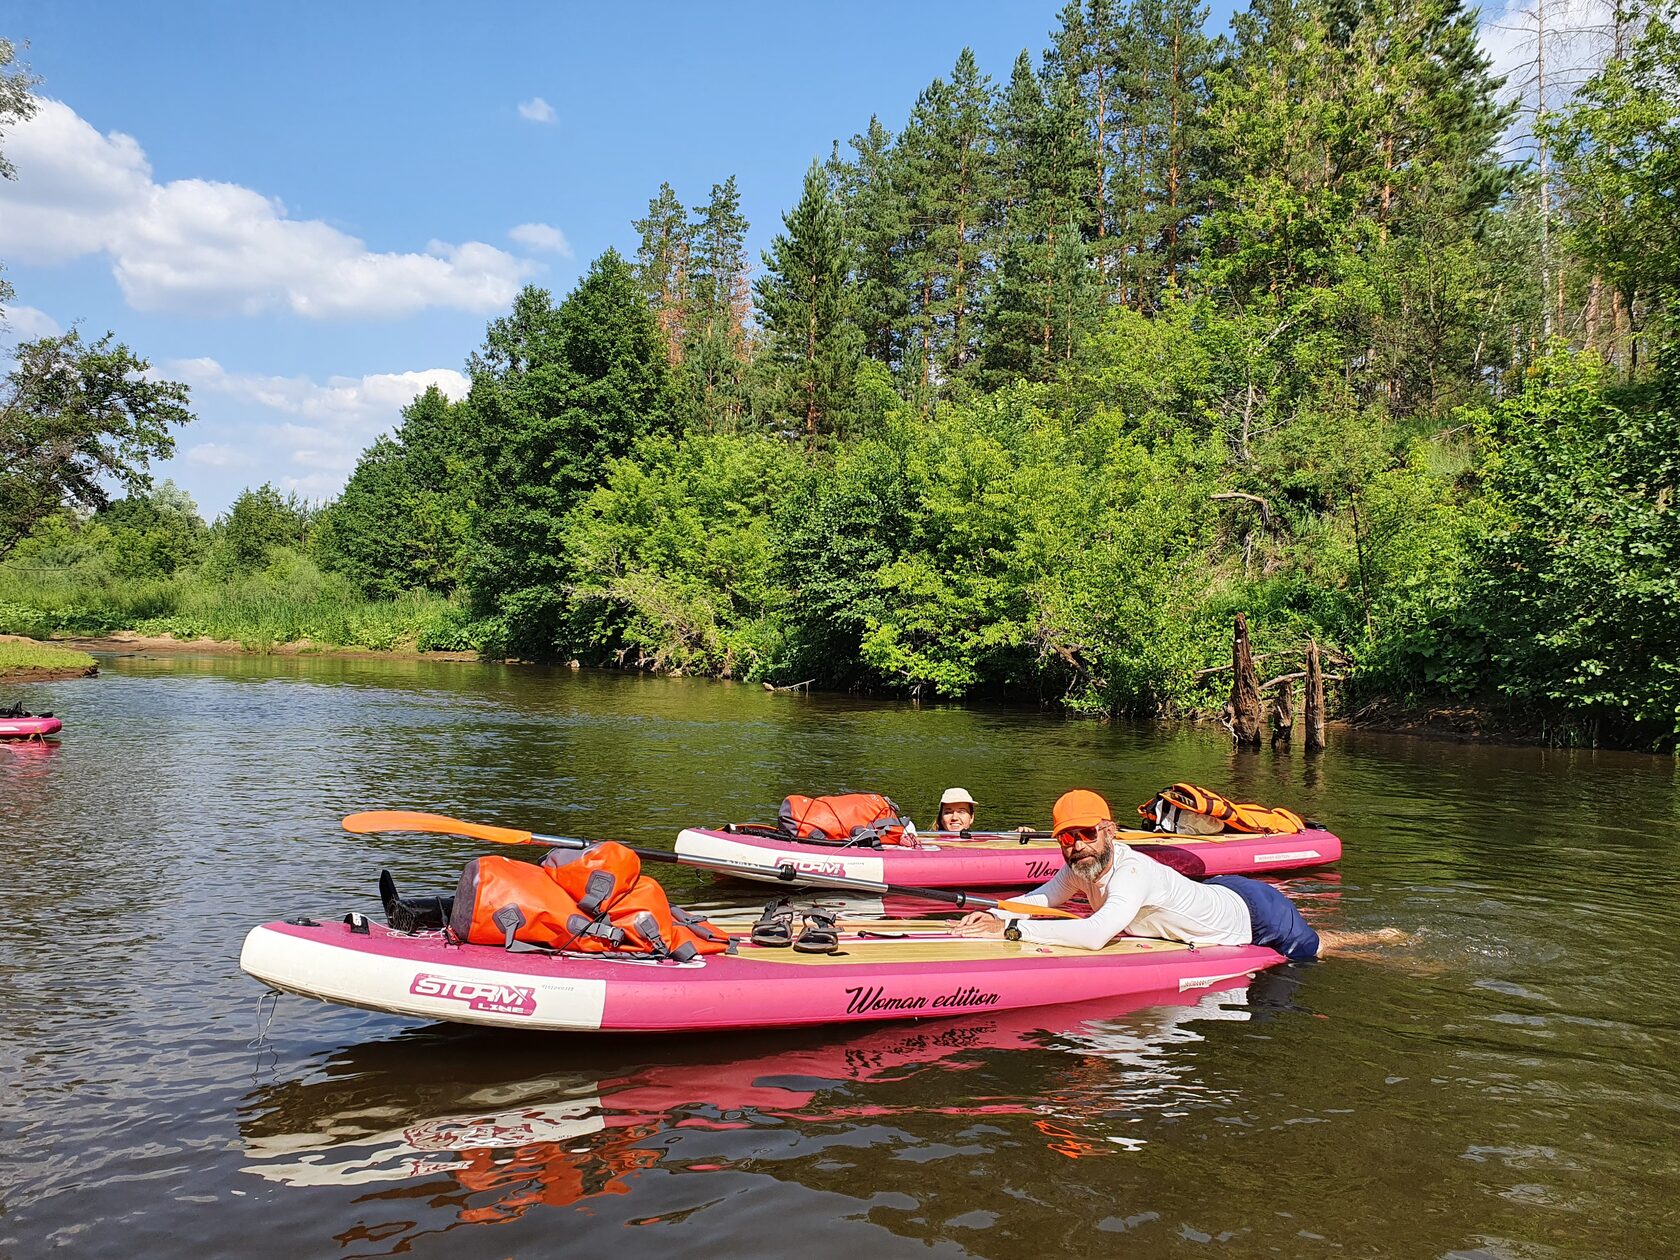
[
  {"x": 1164, "y": 812},
  {"x": 607, "y": 878},
  {"x": 858, "y": 817},
  {"x": 592, "y": 902}
]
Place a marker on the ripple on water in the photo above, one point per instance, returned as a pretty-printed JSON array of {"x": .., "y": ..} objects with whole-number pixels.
[{"x": 1504, "y": 1087}]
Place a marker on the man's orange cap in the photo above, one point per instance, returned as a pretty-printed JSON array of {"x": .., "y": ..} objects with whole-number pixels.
[{"x": 1078, "y": 808}]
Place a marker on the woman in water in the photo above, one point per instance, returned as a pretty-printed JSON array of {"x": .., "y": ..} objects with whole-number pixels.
[{"x": 956, "y": 811}]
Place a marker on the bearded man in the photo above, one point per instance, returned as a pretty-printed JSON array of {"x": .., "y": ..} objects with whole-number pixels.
[{"x": 1133, "y": 894}]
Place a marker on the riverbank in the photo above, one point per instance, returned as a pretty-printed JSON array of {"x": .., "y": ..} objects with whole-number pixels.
[
  {"x": 1477, "y": 724},
  {"x": 132, "y": 643},
  {"x": 27, "y": 660},
  {"x": 1464, "y": 724}
]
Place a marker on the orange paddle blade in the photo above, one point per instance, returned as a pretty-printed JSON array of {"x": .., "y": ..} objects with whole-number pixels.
[
  {"x": 439, "y": 824},
  {"x": 1029, "y": 908}
]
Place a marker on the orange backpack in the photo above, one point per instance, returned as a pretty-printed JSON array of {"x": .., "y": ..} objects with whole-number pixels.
[
  {"x": 857, "y": 817},
  {"x": 593, "y": 902},
  {"x": 1161, "y": 811}
]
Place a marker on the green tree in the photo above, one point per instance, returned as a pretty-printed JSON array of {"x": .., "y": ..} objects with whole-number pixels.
[
  {"x": 806, "y": 302},
  {"x": 1346, "y": 215},
  {"x": 1575, "y": 586},
  {"x": 401, "y": 522},
  {"x": 258, "y": 524},
  {"x": 17, "y": 104},
  {"x": 662, "y": 264},
  {"x": 1618, "y": 148},
  {"x": 717, "y": 306},
  {"x": 833, "y": 536},
  {"x": 951, "y": 175},
  {"x": 1158, "y": 165},
  {"x": 1085, "y": 55},
  {"x": 875, "y": 214},
  {"x": 153, "y": 534},
  {"x": 557, "y": 393},
  {"x": 1044, "y": 296},
  {"x": 673, "y": 554},
  {"x": 73, "y": 419}
]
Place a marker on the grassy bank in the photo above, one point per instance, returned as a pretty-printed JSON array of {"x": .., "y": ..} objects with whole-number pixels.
[
  {"x": 26, "y": 659},
  {"x": 288, "y": 602}
]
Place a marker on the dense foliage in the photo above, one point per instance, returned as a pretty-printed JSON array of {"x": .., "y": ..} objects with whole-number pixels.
[{"x": 1035, "y": 392}]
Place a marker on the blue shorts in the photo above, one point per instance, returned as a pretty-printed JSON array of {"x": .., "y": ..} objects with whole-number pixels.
[{"x": 1277, "y": 923}]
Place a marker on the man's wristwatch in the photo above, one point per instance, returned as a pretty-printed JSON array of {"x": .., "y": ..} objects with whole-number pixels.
[{"x": 1012, "y": 931}]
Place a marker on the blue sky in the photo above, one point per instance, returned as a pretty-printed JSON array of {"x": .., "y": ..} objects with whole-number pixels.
[{"x": 309, "y": 211}]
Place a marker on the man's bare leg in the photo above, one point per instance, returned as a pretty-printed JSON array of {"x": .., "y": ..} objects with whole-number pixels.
[{"x": 1332, "y": 942}]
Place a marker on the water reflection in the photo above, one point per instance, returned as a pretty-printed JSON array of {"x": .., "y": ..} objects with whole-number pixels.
[{"x": 499, "y": 1130}]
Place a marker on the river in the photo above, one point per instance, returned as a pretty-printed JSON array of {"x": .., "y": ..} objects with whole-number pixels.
[{"x": 1508, "y": 1086}]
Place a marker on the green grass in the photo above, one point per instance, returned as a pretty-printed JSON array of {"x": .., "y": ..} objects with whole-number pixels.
[
  {"x": 289, "y": 602},
  {"x": 20, "y": 655}
]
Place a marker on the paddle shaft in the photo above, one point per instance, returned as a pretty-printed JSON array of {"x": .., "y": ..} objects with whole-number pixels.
[
  {"x": 787, "y": 873},
  {"x": 402, "y": 820}
]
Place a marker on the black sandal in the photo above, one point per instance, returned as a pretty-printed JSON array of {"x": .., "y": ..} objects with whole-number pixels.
[
  {"x": 775, "y": 926},
  {"x": 820, "y": 935}
]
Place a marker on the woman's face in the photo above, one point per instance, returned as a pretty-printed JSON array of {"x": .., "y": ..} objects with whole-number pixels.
[{"x": 956, "y": 817}]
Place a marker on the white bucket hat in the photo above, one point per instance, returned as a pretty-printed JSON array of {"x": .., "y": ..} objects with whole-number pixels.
[{"x": 956, "y": 796}]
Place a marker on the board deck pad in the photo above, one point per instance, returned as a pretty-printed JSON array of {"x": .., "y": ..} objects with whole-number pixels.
[{"x": 871, "y": 950}]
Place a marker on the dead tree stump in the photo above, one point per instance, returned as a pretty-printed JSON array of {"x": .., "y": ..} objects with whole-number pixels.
[
  {"x": 1314, "y": 717},
  {"x": 1245, "y": 689},
  {"x": 1283, "y": 713}
]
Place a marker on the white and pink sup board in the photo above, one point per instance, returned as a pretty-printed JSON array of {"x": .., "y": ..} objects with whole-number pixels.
[
  {"x": 875, "y": 977},
  {"x": 31, "y": 727},
  {"x": 1003, "y": 860}
]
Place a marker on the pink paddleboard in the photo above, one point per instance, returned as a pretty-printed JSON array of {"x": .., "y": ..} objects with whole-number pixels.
[
  {"x": 876, "y": 977},
  {"x": 29, "y": 727},
  {"x": 1003, "y": 861}
]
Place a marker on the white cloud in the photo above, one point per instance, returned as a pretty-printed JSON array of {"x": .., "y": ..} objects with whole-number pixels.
[
  {"x": 202, "y": 247},
  {"x": 26, "y": 323},
  {"x": 344, "y": 401},
  {"x": 541, "y": 237},
  {"x": 537, "y": 110},
  {"x": 304, "y": 435},
  {"x": 216, "y": 455}
]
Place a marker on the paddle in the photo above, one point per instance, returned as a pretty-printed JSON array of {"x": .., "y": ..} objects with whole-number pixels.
[{"x": 438, "y": 824}]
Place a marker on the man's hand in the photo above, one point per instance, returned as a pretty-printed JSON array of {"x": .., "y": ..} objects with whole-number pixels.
[{"x": 979, "y": 924}]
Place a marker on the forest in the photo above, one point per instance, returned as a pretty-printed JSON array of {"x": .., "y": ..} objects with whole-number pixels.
[{"x": 1033, "y": 391}]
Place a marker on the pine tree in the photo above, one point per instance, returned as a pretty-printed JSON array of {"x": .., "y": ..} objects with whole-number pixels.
[
  {"x": 1043, "y": 292},
  {"x": 806, "y": 300},
  {"x": 717, "y": 277},
  {"x": 1423, "y": 106},
  {"x": 1156, "y": 119},
  {"x": 874, "y": 214},
  {"x": 662, "y": 262},
  {"x": 951, "y": 174},
  {"x": 718, "y": 303}
]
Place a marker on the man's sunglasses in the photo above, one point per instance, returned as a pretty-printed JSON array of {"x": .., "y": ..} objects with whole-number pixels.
[{"x": 1076, "y": 835}]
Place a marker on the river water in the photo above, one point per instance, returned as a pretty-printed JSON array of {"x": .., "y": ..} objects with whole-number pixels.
[{"x": 1508, "y": 1086}]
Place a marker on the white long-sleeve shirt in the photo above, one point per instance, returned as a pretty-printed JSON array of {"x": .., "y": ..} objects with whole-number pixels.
[{"x": 1140, "y": 896}]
